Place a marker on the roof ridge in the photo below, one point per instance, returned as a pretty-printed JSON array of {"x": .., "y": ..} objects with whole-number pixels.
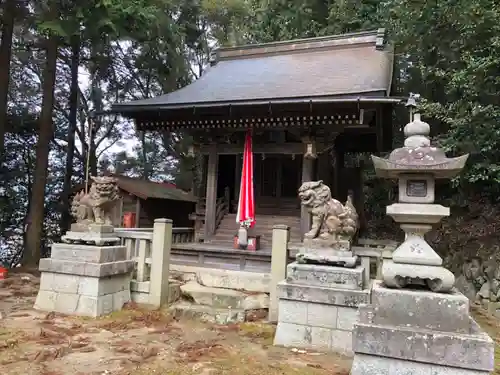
[{"x": 376, "y": 37}]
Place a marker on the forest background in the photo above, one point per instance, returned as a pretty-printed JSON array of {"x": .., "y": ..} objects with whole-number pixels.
[{"x": 62, "y": 60}]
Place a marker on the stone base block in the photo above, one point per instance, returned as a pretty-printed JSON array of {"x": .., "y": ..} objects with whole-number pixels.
[
  {"x": 87, "y": 253},
  {"x": 318, "y": 294},
  {"x": 421, "y": 332},
  {"x": 313, "y": 317},
  {"x": 86, "y": 268},
  {"x": 364, "y": 364},
  {"x": 473, "y": 351},
  {"x": 75, "y": 304},
  {"x": 327, "y": 255},
  {"x": 82, "y": 295},
  {"x": 325, "y": 276},
  {"x": 424, "y": 309},
  {"x": 94, "y": 238}
]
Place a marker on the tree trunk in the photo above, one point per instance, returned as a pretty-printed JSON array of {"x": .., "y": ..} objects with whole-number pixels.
[
  {"x": 32, "y": 250},
  {"x": 9, "y": 10},
  {"x": 73, "y": 111}
]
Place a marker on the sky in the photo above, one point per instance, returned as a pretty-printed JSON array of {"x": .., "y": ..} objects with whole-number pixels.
[{"x": 126, "y": 144}]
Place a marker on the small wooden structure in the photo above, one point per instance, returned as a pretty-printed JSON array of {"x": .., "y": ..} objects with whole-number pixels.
[
  {"x": 309, "y": 102},
  {"x": 150, "y": 200}
]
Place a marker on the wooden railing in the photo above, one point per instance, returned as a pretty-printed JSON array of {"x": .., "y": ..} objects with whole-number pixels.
[{"x": 222, "y": 207}]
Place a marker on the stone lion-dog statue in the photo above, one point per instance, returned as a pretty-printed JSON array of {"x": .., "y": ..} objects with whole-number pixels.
[
  {"x": 96, "y": 206},
  {"x": 331, "y": 220}
]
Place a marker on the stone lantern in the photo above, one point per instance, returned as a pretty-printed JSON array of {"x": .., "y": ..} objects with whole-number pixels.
[
  {"x": 407, "y": 328},
  {"x": 416, "y": 166}
]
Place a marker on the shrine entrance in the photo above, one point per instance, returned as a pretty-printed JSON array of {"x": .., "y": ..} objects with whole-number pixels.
[{"x": 277, "y": 179}]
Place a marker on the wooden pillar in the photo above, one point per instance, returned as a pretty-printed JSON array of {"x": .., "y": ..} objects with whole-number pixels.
[
  {"x": 237, "y": 178},
  {"x": 279, "y": 178},
  {"x": 305, "y": 217},
  {"x": 211, "y": 202},
  {"x": 137, "y": 212},
  {"x": 338, "y": 192}
]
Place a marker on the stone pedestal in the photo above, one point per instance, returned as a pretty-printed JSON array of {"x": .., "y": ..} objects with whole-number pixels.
[
  {"x": 419, "y": 332},
  {"x": 318, "y": 306},
  {"x": 91, "y": 234},
  {"x": 338, "y": 253},
  {"x": 84, "y": 280}
]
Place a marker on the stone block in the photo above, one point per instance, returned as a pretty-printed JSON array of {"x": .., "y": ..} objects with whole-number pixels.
[
  {"x": 95, "y": 306},
  {"x": 302, "y": 336},
  {"x": 325, "y": 276},
  {"x": 342, "y": 342},
  {"x": 224, "y": 298},
  {"x": 60, "y": 283},
  {"x": 420, "y": 308},
  {"x": 292, "y": 311},
  {"x": 66, "y": 303},
  {"x": 207, "y": 313},
  {"x": 472, "y": 352},
  {"x": 228, "y": 279},
  {"x": 372, "y": 365},
  {"x": 93, "y": 286},
  {"x": 45, "y": 300},
  {"x": 339, "y": 297},
  {"x": 321, "y": 315},
  {"x": 346, "y": 317},
  {"x": 120, "y": 299},
  {"x": 86, "y": 253},
  {"x": 85, "y": 268}
]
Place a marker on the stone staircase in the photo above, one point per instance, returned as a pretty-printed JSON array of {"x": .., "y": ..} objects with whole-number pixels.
[
  {"x": 205, "y": 295},
  {"x": 263, "y": 227}
]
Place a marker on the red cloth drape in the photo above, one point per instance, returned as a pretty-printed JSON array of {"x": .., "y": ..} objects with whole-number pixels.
[{"x": 246, "y": 207}]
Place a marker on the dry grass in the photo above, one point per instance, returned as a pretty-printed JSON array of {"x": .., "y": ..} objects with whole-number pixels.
[
  {"x": 235, "y": 364},
  {"x": 492, "y": 327},
  {"x": 140, "y": 341}
]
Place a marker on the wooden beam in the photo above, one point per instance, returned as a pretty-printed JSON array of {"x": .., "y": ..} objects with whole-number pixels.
[{"x": 266, "y": 148}]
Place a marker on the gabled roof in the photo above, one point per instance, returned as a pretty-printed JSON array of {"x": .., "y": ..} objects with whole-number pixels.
[
  {"x": 349, "y": 65},
  {"x": 145, "y": 189}
]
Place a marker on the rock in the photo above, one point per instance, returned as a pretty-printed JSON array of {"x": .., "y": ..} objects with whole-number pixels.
[
  {"x": 224, "y": 298},
  {"x": 256, "y": 315}
]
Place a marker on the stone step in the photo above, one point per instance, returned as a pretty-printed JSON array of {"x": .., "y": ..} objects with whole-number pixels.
[
  {"x": 263, "y": 236},
  {"x": 224, "y": 298},
  {"x": 209, "y": 314}
]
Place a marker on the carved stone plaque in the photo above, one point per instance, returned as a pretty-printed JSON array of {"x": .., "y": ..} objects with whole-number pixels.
[{"x": 416, "y": 188}]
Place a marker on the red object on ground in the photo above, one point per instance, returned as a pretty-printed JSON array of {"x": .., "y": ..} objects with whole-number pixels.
[
  {"x": 129, "y": 220},
  {"x": 253, "y": 243},
  {"x": 246, "y": 207},
  {"x": 3, "y": 273}
]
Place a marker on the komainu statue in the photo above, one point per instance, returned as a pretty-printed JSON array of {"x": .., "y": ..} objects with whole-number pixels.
[
  {"x": 331, "y": 220},
  {"x": 96, "y": 206}
]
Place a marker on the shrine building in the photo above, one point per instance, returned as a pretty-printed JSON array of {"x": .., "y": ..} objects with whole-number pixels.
[{"x": 309, "y": 102}]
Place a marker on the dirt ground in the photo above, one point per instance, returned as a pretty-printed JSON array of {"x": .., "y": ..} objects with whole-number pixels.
[{"x": 139, "y": 341}]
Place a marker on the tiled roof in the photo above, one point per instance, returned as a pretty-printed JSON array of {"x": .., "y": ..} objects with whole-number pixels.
[{"x": 350, "y": 65}]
